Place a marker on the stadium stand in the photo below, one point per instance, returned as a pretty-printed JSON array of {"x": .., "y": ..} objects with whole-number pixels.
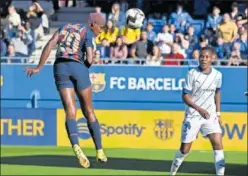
[{"x": 206, "y": 32}]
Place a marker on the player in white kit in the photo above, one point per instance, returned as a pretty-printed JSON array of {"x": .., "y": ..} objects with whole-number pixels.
[{"x": 201, "y": 94}]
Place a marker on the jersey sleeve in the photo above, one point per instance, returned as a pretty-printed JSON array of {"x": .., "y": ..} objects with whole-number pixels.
[
  {"x": 219, "y": 82},
  {"x": 188, "y": 85}
]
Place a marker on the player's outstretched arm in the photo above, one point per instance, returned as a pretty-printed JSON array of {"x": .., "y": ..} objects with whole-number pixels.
[
  {"x": 45, "y": 54},
  {"x": 48, "y": 48}
]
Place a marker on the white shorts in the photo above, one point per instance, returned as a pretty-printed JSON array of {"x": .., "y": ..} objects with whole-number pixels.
[{"x": 192, "y": 126}]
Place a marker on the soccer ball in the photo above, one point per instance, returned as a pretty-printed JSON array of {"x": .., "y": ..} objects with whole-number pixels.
[{"x": 135, "y": 18}]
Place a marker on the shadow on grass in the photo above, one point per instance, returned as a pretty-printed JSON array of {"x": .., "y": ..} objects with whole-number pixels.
[{"x": 123, "y": 164}]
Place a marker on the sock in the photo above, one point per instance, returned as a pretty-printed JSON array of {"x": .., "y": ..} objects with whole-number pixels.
[
  {"x": 95, "y": 132},
  {"x": 72, "y": 131},
  {"x": 219, "y": 161},
  {"x": 178, "y": 160}
]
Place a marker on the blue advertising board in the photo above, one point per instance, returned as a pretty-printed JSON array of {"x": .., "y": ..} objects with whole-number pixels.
[
  {"x": 120, "y": 87},
  {"x": 22, "y": 126}
]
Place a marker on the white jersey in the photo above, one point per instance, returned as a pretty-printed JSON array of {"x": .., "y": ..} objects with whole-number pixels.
[{"x": 202, "y": 88}]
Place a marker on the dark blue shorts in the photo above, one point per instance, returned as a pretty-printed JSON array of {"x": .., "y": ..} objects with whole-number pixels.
[{"x": 71, "y": 74}]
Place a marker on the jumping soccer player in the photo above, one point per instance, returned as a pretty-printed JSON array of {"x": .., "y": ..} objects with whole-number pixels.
[
  {"x": 72, "y": 76},
  {"x": 201, "y": 94}
]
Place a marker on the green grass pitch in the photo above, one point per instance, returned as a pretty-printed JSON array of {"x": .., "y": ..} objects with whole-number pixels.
[{"x": 61, "y": 161}]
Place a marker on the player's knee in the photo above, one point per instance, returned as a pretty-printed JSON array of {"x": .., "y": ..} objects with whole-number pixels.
[
  {"x": 216, "y": 141},
  {"x": 185, "y": 148},
  {"x": 184, "y": 151},
  {"x": 217, "y": 146},
  {"x": 90, "y": 115},
  {"x": 71, "y": 114}
]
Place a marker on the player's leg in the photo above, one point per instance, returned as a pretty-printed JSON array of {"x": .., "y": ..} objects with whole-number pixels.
[
  {"x": 179, "y": 157},
  {"x": 219, "y": 158},
  {"x": 85, "y": 98},
  {"x": 67, "y": 95},
  {"x": 84, "y": 93},
  {"x": 68, "y": 99},
  {"x": 211, "y": 128},
  {"x": 190, "y": 129}
]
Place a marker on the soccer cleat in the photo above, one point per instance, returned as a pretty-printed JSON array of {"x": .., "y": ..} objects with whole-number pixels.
[
  {"x": 100, "y": 156},
  {"x": 174, "y": 169},
  {"x": 173, "y": 173},
  {"x": 83, "y": 160}
]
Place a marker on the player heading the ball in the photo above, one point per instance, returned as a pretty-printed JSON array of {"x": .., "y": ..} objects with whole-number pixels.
[
  {"x": 72, "y": 77},
  {"x": 201, "y": 94}
]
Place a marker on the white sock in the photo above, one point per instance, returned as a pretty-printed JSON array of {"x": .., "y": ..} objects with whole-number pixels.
[
  {"x": 178, "y": 160},
  {"x": 219, "y": 161}
]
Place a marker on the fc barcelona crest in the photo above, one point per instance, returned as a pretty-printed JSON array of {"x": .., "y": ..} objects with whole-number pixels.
[
  {"x": 164, "y": 129},
  {"x": 98, "y": 82}
]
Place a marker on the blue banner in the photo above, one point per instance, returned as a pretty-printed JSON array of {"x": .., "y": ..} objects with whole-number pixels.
[
  {"x": 28, "y": 126},
  {"x": 120, "y": 87}
]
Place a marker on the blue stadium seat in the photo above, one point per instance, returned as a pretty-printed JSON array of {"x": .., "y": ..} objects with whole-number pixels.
[
  {"x": 157, "y": 24},
  {"x": 242, "y": 8},
  {"x": 199, "y": 26}
]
